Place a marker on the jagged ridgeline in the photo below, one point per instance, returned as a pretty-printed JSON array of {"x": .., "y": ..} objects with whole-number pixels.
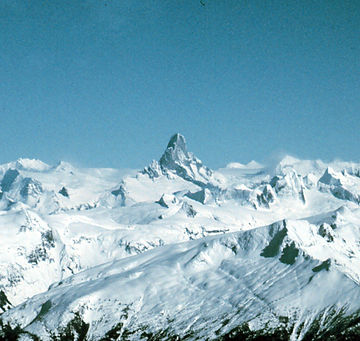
[{"x": 178, "y": 251}]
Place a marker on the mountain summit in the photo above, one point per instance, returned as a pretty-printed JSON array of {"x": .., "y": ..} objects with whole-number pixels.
[
  {"x": 178, "y": 142},
  {"x": 176, "y": 160},
  {"x": 176, "y": 153}
]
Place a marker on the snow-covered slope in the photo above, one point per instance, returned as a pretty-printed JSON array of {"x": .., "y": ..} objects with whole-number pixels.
[
  {"x": 200, "y": 284},
  {"x": 178, "y": 248}
]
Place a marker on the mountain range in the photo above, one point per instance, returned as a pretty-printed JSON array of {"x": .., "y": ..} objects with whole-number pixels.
[{"x": 178, "y": 251}]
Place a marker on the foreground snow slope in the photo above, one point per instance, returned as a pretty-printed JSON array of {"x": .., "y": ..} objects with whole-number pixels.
[
  {"x": 178, "y": 245},
  {"x": 256, "y": 276}
]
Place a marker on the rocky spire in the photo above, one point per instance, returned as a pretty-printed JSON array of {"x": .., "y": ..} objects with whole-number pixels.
[
  {"x": 178, "y": 160},
  {"x": 177, "y": 141},
  {"x": 175, "y": 153}
]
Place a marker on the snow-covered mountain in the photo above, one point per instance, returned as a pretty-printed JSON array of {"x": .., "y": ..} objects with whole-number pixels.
[{"x": 180, "y": 251}]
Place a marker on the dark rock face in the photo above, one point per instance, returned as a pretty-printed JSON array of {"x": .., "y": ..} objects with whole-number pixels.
[
  {"x": 274, "y": 247},
  {"x": 4, "y": 302},
  {"x": 64, "y": 192},
  {"x": 120, "y": 194},
  {"x": 325, "y": 265},
  {"x": 175, "y": 153},
  {"x": 162, "y": 202},
  {"x": 8, "y": 179}
]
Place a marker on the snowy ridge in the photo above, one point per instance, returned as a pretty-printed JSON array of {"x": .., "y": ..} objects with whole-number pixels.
[{"x": 195, "y": 251}]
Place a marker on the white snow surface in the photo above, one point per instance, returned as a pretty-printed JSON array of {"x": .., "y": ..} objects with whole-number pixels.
[{"x": 178, "y": 245}]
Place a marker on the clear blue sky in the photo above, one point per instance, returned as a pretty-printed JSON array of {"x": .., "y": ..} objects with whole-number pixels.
[{"x": 107, "y": 82}]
